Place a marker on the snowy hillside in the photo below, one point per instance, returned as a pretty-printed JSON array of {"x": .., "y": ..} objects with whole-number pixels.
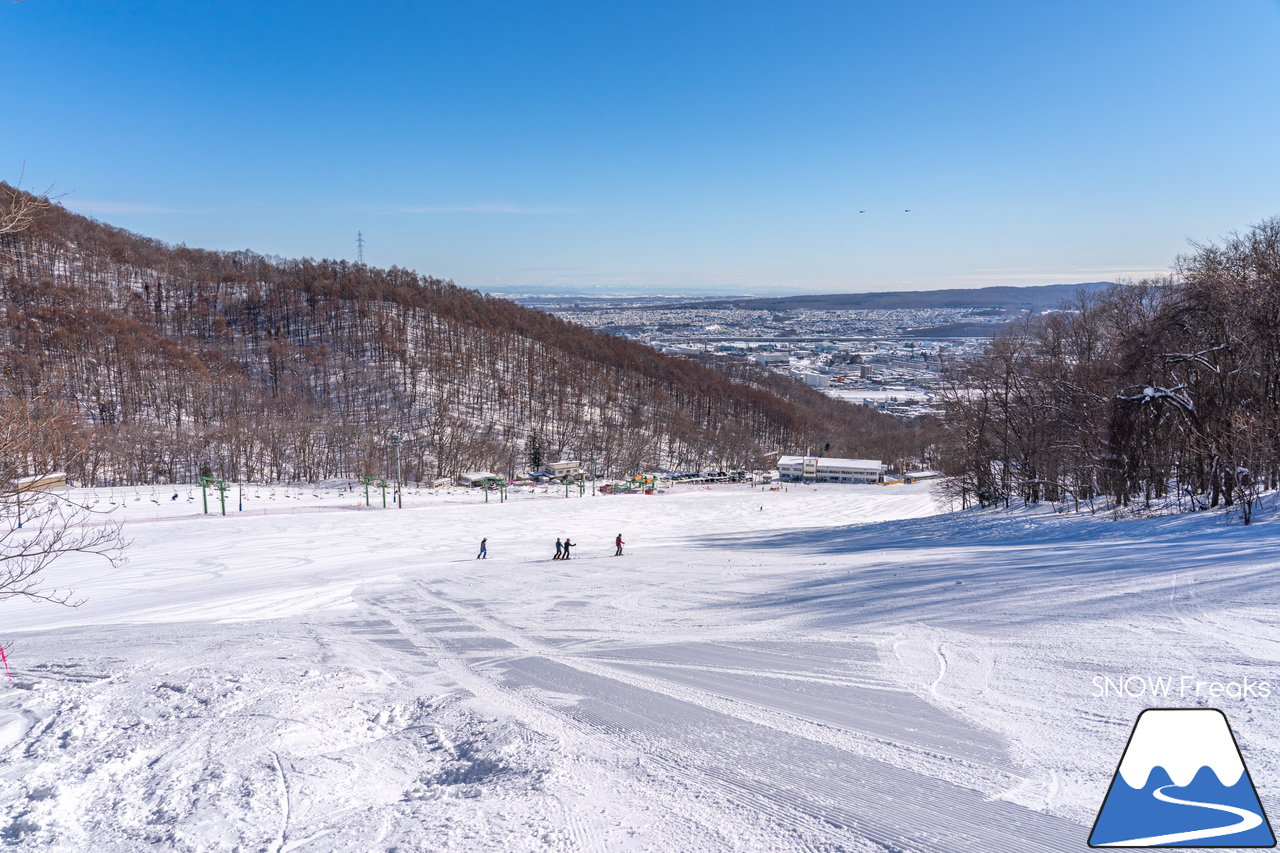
[
  {"x": 835, "y": 668},
  {"x": 271, "y": 369}
]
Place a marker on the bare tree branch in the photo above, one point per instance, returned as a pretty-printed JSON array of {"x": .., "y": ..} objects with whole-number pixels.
[{"x": 39, "y": 527}]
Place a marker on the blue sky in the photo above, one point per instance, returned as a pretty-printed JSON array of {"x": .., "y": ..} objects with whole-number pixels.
[{"x": 660, "y": 146}]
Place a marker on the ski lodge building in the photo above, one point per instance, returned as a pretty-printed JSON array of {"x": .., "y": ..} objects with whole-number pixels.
[
  {"x": 825, "y": 469},
  {"x": 565, "y": 468}
]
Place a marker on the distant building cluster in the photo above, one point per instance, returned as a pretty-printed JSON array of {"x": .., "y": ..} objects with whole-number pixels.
[{"x": 895, "y": 360}]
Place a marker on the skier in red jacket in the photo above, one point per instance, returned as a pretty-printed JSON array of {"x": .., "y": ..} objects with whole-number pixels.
[{"x": 618, "y": 542}]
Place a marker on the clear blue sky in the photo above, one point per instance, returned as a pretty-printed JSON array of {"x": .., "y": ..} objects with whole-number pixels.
[{"x": 660, "y": 146}]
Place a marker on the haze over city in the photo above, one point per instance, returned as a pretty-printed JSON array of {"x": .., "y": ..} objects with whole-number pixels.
[{"x": 660, "y": 148}]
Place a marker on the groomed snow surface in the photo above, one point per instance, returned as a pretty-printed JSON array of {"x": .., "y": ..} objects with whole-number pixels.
[{"x": 829, "y": 668}]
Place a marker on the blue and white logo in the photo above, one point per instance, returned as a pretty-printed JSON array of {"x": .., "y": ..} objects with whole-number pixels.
[{"x": 1181, "y": 783}]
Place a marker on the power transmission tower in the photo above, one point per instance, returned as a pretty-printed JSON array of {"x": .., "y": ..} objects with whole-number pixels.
[{"x": 360, "y": 247}]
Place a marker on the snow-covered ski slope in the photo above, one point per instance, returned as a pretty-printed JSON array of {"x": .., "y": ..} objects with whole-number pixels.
[{"x": 830, "y": 668}]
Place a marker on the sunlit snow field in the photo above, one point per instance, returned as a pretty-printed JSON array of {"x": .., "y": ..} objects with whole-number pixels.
[{"x": 822, "y": 668}]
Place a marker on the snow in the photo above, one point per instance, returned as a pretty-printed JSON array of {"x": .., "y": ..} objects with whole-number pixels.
[
  {"x": 56, "y": 475},
  {"x": 833, "y": 461},
  {"x": 823, "y": 667},
  {"x": 880, "y": 395}
]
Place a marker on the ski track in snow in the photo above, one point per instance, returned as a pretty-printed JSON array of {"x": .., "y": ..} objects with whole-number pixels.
[{"x": 845, "y": 670}]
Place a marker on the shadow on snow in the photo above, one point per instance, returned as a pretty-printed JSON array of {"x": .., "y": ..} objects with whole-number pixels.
[{"x": 979, "y": 567}]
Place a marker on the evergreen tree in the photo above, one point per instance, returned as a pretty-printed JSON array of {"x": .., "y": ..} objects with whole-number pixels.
[{"x": 533, "y": 450}]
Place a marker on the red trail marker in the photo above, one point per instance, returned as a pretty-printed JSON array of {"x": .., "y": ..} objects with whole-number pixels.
[{"x": 6, "y": 664}]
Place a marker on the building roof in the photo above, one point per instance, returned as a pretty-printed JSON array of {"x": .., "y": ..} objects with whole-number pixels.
[
  {"x": 831, "y": 461},
  {"x": 56, "y": 475}
]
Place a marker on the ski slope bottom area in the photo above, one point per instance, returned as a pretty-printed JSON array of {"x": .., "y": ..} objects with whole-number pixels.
[{"x": 829, "y": 668}]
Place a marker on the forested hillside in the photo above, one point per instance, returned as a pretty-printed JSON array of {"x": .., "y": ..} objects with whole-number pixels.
[
  {"x": 1158, "y": 393},
  {"x": 274, "y": 369}
]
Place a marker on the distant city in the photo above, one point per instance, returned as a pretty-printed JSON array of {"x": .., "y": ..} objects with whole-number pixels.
[{"x": 897, "y": 360}]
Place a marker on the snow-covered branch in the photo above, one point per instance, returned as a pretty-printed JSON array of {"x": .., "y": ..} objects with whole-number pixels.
[{"x": 1153, "y": 394}]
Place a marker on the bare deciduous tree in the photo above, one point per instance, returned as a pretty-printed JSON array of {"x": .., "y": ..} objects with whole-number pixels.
[
  {"x": 18, "y": 209},
  {"x": 37, "y": 526},
  {"x": 1162, "y": 394}
]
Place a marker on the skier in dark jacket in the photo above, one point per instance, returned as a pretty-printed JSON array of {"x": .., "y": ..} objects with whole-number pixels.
[
  {"x": 567, "y": 546},
  {"x": 619, "y": 543},
  {"x": 559, "y": 551},
  {"x": 484, "y": 549}
]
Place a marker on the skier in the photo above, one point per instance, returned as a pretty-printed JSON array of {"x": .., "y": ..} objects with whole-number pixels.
[
  {"x": 484, "y": 549},
  {"x": 618, "y": 542},
  {"x": 567, "y": 546},
  {"x": 559, "y": 550}
]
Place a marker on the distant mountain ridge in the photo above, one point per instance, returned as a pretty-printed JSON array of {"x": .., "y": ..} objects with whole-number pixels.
[{"x": 1002, "y": 297}]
